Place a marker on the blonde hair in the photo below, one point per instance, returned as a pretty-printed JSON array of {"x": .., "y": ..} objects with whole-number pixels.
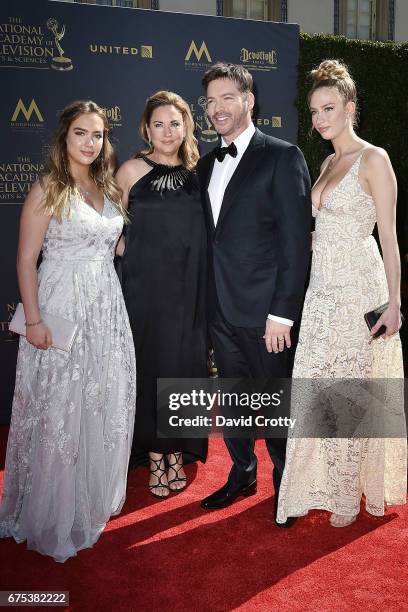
[
  {"x": 188, "y": 151},
  {"x": 58, "y": 183},
  {"x": 333, "y": 73}
]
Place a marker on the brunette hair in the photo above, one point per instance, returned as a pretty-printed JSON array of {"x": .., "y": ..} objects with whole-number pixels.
[
  {"x": 188, "y": 151},
  {"x": 222, "y": 70},
  {"x": 58, "y": 183}
]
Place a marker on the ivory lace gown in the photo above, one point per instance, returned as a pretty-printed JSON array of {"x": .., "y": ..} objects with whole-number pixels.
[
  {"x": 73, "y": 413},
  {"x": 347, "y": 280}
]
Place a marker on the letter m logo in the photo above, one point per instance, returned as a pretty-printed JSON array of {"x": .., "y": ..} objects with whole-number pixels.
[
  {"x": 197, "y": 52},
  {"x": 33, "y": 108}
]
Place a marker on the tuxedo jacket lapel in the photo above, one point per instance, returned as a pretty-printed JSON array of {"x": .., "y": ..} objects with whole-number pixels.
[
  {"x": 243, "y": 170},
  {"x": 209, "y": 210}
]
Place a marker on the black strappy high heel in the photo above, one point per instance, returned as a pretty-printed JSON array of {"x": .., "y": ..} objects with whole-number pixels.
[
  {"x": 176, "y": 466},
  {"x": 158, "y": 472}
]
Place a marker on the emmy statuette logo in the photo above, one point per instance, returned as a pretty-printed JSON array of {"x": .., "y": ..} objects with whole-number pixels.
[
  {"x": 60, "y": 62},
  {"x": 27, "y": 112},
  {"x": 208, "y": 133}
]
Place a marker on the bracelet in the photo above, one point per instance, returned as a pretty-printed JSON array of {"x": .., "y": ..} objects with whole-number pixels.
[{"x": 32, "y": 324}]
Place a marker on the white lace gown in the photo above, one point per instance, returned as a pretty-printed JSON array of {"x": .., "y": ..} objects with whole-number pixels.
[
  {"x": 73, "y": 414},
  {"x": 347, "y": 280}
]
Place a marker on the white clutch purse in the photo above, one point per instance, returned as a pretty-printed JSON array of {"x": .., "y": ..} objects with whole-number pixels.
[{"x": 62, "y": 330}]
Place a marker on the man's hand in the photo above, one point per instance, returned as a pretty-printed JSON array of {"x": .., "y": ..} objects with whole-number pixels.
[{"x": 277, "y": 336}]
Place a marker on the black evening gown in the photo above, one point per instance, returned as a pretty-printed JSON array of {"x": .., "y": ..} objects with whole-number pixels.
[{"x": 164, "y": 283}]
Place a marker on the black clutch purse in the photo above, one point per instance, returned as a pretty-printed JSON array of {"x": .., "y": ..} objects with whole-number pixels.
[{"x": 372, "y": 317}]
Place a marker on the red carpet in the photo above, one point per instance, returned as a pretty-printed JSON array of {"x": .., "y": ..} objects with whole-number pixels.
[{"x": 171, "y": 555}]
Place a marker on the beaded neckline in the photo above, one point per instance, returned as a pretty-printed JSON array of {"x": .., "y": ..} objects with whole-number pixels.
[
  {"x": 154, "y": 164},
  {"x": 165, "y": 178}
]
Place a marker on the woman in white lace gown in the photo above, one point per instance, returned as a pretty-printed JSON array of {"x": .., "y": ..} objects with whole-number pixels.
[
  {"x": 73, "y": 413},
  {"x": 356, "y": 189}
]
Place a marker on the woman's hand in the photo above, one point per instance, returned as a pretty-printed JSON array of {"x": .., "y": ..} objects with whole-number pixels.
[
  {"x": 391, "y": 319},
  {"x": 39, "y": 336}
]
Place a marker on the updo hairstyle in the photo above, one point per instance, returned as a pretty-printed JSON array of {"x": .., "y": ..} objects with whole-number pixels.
[{"x": 333, "y": 73}]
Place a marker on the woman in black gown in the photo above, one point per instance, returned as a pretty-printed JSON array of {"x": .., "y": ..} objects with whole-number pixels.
[{"x": 164, "y": 278}]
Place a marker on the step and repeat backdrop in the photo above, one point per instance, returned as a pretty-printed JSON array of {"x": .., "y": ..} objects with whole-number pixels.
[{"x": 52, "y": 53}]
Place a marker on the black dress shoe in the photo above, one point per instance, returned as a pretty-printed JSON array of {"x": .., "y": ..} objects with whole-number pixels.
[
  {"x": 227, "y": 495},
  {"x": 289, "y": 521}
]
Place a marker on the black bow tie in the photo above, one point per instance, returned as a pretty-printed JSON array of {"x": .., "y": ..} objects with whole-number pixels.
[{"x": 221, "y": 152}]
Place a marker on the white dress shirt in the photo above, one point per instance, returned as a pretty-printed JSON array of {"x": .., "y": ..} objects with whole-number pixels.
[{"x": 220, "y": 177}]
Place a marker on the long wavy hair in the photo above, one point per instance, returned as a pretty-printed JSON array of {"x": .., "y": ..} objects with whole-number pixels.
[
  {"x": 57, "y": 181},
  {"x": 188, "y": 151}
]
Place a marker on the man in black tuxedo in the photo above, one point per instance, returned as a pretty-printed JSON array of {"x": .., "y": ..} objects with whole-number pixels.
[{"x": 256, "y": 195}]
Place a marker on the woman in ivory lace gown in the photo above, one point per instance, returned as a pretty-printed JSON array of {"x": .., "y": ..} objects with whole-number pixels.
[
  {"x": 356, "y": 189},
  {"x": 73, "y": 413}
]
